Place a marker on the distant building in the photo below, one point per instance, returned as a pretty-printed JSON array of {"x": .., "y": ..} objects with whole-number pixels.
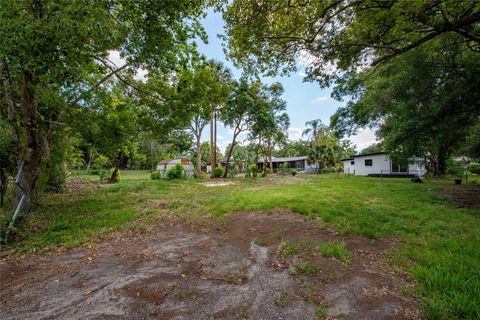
[
  {"x": 299, "y": 163},
  {"x": 380, "y": 164},
  {"x": 167, "y": 164}
]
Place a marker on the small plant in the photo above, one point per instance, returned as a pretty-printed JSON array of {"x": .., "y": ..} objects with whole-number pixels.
[
  {"x": 264, "y": 173},
  {"x": 252, "y": 169},
  {"x": 175, "y": 172},
  {"x": 294, "y": 172},
  {"x": 287, "y": 249},
  {"x": 336, "y": 250},
  {"x": 283, "y": 168},
  {"x": 185, "y": 294},
  {"x": 282, "y": 299},
  {"x": 219, "y": 172},
  {"x": 321, "y": 311},
  {"x": 305, "y": 268},
  {"x": 259, "y": 241},
  {"x": 103, "y": 174},
  {"x": 155, "y": 175}
]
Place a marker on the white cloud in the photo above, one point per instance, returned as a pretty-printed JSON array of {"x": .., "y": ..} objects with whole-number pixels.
[
  {"x": 363, "y": 139},
  {"x": 118, "y": 61},
  {"x": 301, "y": 74},
  {"x": 294, "y": 133},
  {"x": 322, "y": 98}
]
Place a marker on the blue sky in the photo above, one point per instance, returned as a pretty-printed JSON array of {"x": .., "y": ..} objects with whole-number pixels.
[{"x": 305, "y": 101}]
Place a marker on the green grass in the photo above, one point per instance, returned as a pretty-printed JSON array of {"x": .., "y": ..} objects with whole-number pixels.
[
  {"x": 305, "y": 268},
  {"x": 440, "y": 243},
  {"x": 336, "y": 250}
]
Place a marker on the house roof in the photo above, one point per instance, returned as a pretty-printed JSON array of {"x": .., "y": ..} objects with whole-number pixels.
[
  {"x": 285, "y": 159},
  {"x": 363, "y": 155},
  {"x": 164, "y": 161}
]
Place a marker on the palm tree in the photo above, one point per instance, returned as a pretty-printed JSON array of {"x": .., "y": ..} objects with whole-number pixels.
[{"x": 311, "y": 130}]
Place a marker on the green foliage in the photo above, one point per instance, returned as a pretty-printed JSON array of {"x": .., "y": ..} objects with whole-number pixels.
[
  {"x": 155, "y": 175},
  {"x": 175, "y": 172},
  {"x": 294, "y": 172},
  {"x": 252, "y": 170},
  {"x": 474, "y": 167},
  {"x": 219, "y": 172},
  {"x": 305, "y": 268},
  {"x": 336, "y": 250},
  {"x": 287, "y": 249},
  {"x": 284, "y": 168},
  {"x": 455, "y": 168},
  {"x": 103, "y": 174},
  {"x": 57, "y": 179}
]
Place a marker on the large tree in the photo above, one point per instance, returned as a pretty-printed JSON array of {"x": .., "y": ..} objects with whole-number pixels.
[
  {"x": 54, "y": 55},
  {"x": 204, "y": 88},
  {"x": 332, "y": 37},
  {"x": 422, "y": 104}
]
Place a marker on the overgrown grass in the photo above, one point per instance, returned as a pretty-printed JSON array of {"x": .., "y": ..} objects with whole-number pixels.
[
  {"x": 441, "y": 243},
  {"x": 336, "y": 250}
]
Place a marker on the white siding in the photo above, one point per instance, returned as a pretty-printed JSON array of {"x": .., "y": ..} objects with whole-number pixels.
[
  {"x": 380, "y": 162},
  {"x": 348, "y": 167}
]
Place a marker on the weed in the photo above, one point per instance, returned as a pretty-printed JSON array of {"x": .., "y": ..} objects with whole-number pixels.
[
  {"x": 336, "y": 250},
  {"x": 185, "y": 294},
  {"x": 260, "y": 241},
  {"x": 287, "y": 249},
  {"x": 282, "y": 299},
  {"x": 305, "y": 268}
]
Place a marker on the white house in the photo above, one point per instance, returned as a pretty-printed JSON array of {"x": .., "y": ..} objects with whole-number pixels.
[
  {"x": 299, "y": 163},
  {"x": 380, "y": 164},
  {"x": 167, "y": 164}
]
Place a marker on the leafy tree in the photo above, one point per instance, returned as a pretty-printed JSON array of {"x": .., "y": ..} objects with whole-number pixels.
[
  {"x": 334, "y": 37},
  {"x": 311, "y": 131},
  {"x": 54, "y": 55},
  {"x": 202, "y": 88},
  {"x": 422, "y": 105},
  {"x": 253, "y": 106},
  {"x": 293, "y": 149}
]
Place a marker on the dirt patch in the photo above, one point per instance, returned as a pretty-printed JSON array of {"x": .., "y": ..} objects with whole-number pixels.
[
  {"x": 218, "y": 183},
  {"x": 229, "y": 269},
  {"x": 463, "y": 196}
]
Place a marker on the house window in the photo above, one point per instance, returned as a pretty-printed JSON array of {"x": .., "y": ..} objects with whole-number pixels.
[
  {"x": 368, "y": 162},
  {"x": 352, "y": 162}
]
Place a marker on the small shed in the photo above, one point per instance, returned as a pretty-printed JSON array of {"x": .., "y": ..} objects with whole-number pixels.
[
  {"x": 167, "y": 164},
  {"x": 381, "y": 164}
]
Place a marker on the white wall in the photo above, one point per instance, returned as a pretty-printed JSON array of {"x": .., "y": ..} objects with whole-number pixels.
[
  {"x": 380, "y": 163},
  {"x": 348, "y": 167}
]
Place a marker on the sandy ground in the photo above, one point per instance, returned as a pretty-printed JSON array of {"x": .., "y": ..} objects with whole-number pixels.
[{"x": 227, "y": 269}]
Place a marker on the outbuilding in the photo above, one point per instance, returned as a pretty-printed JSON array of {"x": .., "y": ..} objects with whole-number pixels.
[
  {"x": 298, "y": 163},
  {"x": 380, "y": 164},
  {"x": 164, "y": 165}
]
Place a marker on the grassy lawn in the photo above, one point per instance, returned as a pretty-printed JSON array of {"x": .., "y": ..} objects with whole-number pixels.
[{"x": 440, "y": 243}]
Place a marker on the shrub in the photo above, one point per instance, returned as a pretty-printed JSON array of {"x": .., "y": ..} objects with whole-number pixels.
[
  {"x": 329, "y": 170},
  {"x": 155, "y": 175},
  {"x": 175, "y": 172},
  {"x": 474, "y": 167},
  {"x": 252, "y": 169},
  {"x": 103, "y": 174},
  {"x": 294, "y": 172},
  {"x": 283, "y": 168},
  {"x": 455, "y": 168},
  {"x": 219, "y": 172}
]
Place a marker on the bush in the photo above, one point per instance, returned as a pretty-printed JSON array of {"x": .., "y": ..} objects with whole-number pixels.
[
  {"x": 155, "y": 175},
  {"x": 474, "y": 167},
  {"x": 176, "y": 172},
  {"x": 103, "y": 174},
  {"x": 118, "y": 175},
  {"x": 252, "y": 170},
  {"x": 283, "y": 168},
  {"x": 219, "y": 172},
  {"x": 294, "y": 172},
  {"x": 329, "y": 170},
  {"x": 455, "y": 168}
]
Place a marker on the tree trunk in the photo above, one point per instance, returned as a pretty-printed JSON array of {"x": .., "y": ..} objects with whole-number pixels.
[
  {"x": 213, "y": 147},
  {"x": 270, "y": 156},
  {"x": 441, "y": 164},
  {"x": 33, "y": 154},
  {"x": 230, "y": 151},
  {"x": 199, "y": 158},
  {"x": 3, "y": 185},
  {"x": 114, "y": 175}
]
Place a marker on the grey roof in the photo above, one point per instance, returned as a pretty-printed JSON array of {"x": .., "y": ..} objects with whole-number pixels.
[{"x": 285, "y": 159}]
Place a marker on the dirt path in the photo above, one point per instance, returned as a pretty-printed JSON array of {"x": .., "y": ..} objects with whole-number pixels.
[{"x": 232, "y": 269}]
